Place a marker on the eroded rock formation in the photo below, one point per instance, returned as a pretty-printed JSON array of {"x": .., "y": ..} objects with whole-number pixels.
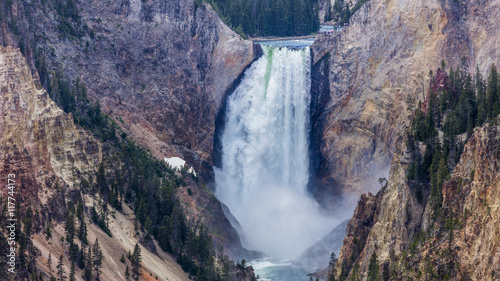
[
  {"x": 375, "y": 68},
  {"x": 410, "y": 241}
]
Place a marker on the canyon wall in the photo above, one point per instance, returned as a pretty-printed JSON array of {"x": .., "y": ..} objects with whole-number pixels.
[
  {"x": 160, "y": 69},
  {"x": 408, "y": 239},
  {"x": 51, "y": 158},
  {"x": 49, "y": 155},
  {"x": 375, "y": 71}
]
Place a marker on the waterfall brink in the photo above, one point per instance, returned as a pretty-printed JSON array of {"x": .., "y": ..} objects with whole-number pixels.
[{"x": 265, "y": 163}]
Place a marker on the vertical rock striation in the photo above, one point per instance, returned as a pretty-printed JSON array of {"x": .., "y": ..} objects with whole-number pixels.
[
  {"x": 376, "y": 67},
  {"x": 40, "y": 143},
  {"x": 409, "y": 240}
]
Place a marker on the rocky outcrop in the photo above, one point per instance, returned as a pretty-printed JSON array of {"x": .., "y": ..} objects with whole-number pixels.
[
  {"x": 376, "y": 67},
  {"x": 40, "y": 143},
  {"x": 201, "y": 206},
  {"x": 410, "y": 241}
]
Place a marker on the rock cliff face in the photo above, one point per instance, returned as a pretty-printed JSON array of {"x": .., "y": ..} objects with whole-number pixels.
[
  {"x": 375, "y": 68},
  {"x": 40, "y": 143},
  {"x": 161, "y": 67},
  {"x": 48, "y": 155},
  {"x": 410, "y": 242}
]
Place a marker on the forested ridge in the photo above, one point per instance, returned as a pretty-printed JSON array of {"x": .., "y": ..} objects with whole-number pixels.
[
  {"x": 457, "y": 103},
  {"x": 341, "y": 11},
  {"x": 268, "y": 17}
]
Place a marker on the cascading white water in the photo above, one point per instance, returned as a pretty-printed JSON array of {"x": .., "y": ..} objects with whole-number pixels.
[{"x": 264, "y": 174}]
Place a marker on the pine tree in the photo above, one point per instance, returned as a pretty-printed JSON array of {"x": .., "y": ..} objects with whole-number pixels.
[
  {"x": 492, "y": 94},
  {"x": 373, "y": 268},
  {"x": 82, "y": 232},
  {"x": 127, "y": 273},
  {"x": 328, "y": 11},
  {"x": 482, "y": 111},
  {"x": 136, "y": 260},
  {"x": 60, "y": 269},
  {"x": 97, "y": 258},
  {"x": 331, "y": 265},
  {"x": 101, "y": 179},
  {"x": 28, "y": 222},
  {"x": 443, "y": 175},
  {"x": 70, "y": 228},
  {"x": 436, "y": 181},
  {"x": 80, "y": 210},
  {"x": 82, "y": 258},
  {"x": 48, "y": 233},
  {"x": 355, "y": 273},
  {"x": 87, "y": 272},
  {"x": 49, "y": 263},
  {"x": 72, "y": 272}
]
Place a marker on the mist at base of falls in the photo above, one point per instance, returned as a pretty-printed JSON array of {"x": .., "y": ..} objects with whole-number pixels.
[{"x": 265, "y": 162}]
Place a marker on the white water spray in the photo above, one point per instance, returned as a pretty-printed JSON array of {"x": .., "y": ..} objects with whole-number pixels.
[{"x": 265, "y": 161}]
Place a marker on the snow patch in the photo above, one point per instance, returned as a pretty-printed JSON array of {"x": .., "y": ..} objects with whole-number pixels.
[{"x": 178, "y": 164}]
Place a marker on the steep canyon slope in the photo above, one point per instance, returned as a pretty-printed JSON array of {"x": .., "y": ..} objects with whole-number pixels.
[
  {"x": 175, "y": 58},
  {"x": 410, "y": 241},
  {"x": 367, "y": 76},
  {"x": 160, "y": 69},
  {"x": 49, "y": 155}
]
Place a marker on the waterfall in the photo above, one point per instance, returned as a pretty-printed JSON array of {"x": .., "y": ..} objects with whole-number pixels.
[{"x": 265, "y": 162}]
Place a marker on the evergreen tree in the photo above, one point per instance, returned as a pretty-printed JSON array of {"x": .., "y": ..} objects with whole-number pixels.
[
  {"x": 443, "y": 175},
  {"x": 48, "y": 233},
  {"x": 82, "y": 232},
  {"x": 101, "y": 179},
  {"x": 436, "y": 182},
  {"x": 27, "y": 221},
  {"x": 492, "y": 99},
  {"x": 72, "y": 272},
  {"x": 82, "y": 258},
  {"x": 136, "y": 260},
  {"x": 482, "y": 110},
  {"x": 70, "y": 228},
  {"x": 127, "y": 273},
  {"x": 87, "y": 272},
  {"x": 97, "y": 258},
  {"x": 331, "y": 265},
  {"x": 60, "y": 269},
  {"x": 346, "y": 14},
  {"x": 49, "y": 263},
  {"x": 373, "y": 268},
  {"x": 355, "y": 273},
  {"x": 80, "y": 210},
  {"x": 269, "y": 17},
  {"x": 328, "y": 11}
]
